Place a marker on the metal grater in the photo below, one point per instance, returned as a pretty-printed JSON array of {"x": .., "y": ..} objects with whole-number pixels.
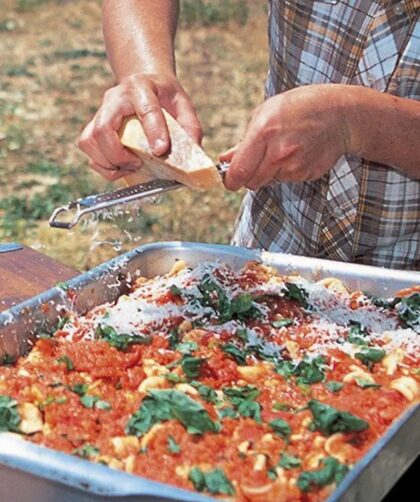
[{"x": 100, "y": 201}]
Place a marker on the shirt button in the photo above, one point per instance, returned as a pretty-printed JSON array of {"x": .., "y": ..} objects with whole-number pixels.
[{"x": 399, "y": 8}]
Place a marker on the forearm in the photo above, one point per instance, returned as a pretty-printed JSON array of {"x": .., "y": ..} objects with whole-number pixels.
[
  {"x": 139, "y": 36},
  {"x": 386, "y": 129}
]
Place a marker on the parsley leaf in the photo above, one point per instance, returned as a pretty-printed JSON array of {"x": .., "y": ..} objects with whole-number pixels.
[
  {"x": 80, "y": 388},
  {"x": 120, "y": 341},
  {"x": 86, "y": 451},
  {"x": 67, "y": 361},
  {"x": 9, "y": 415},
  {"x": 206, "y": 392},
  {"x": 329, "y": 420},
  {"x": 334, "y": 386},
  {"x": 409, "y": 311},
  {"x": 331, "y": 472},
  {"x": 162, "y": 405},
  {"x": 191, "y": 366},
  {"x": 282, "y": 323},
  {"x": 214, "y": 481},
  {"x": 294, "y": 292},
  {"x": 235, "y": 352},
  {"x": 94, "y": 402},
  {"x": 289, "y": 461},
  {"x": 281, "y": 427},
  {"x": 370, "y": 356},
  {"x": 173, "y": 446}
]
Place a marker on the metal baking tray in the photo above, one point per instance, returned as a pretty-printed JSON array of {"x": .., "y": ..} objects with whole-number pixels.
[{"x": 35, "y": 473}]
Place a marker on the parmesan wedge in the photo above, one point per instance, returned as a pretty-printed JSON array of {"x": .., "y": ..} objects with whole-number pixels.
[{"x": 186, "y": 162}]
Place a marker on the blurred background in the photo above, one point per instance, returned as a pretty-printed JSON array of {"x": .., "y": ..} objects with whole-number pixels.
[{"x": 53, "y": 72}]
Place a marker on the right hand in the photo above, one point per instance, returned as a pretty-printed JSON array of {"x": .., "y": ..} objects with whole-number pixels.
[{"x": 143, "y": 95}]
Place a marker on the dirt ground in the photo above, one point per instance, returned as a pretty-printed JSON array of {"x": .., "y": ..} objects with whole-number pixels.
[{"x": 53, "y": 72}]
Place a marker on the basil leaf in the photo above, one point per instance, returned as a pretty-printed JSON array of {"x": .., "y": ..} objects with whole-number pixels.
[
  {"x": 334, "y": 386},
  {"x": 331, "y": 472},
  {"x": 120, "y": 341},
  {"x": 207, "y": 393},
  {"x": 365, "y": 384},
  {"x": 9, "y": 414},
  {"x": 163, "y": 405},
  {"x": 289, "y": 461},
  {"x": 8, "y": 359},
  {"x": 310, "y": 372},
  {"x": 357, "y": 333},
  {"x": 175, "y": 290},
  {"x": 174, "y": 378},
  {"x": 86, "y": 451},
  {"x": 409, "y": 311},
  {"x": 329, "y": 420},
  {"x": 186, "y": 348},
  {"x": 94, "y": 402},
  {"x": 282, "y": 323},
  {"x": 250, "y": 409},
  {"x": 80, "y": 388},
  {"x": 384, "y": 302},
  {"x": 227, "y": 413},
  {"x": 281, "y": 427},
  {"x": 292, "y": 291},
  {"x": 237, "y": 354},
  {"x": 282, "y": 407},
  {"x": 173, "y": 446},
  {"x": 67, "y": 361},
  {"x": 285, "y": 369},
  {"x": 173, "y": 338},
  {"x": 191, "y": 366},
  {"x": 214, "y": 481},
  {"x": 370, "y": 356},
  {"x": 237, "y": 394}
]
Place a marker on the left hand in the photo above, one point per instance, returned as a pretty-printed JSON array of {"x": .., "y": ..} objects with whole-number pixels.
[{"x": 295, "y": 136}]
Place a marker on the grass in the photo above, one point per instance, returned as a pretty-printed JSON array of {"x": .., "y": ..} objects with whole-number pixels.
[{"x": 54, "y": 72}]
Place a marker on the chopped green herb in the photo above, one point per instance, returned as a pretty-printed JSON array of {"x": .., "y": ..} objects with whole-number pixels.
[
  {"x": 329, "y": 420},
  {"x": 173, "y": 338},
  {"x": 357, "y": 333},
  {"x": 163, "y": 405},
  {"x": 384, "y": 302},
  {"x": 8, "y": 359},
  {"x": 120, "y": 341},
  {"x": 94, "y": 402},
  {"x": 206, "y": 392},
  {"x": 86, "y": 451},
  {"x": 227, "y": 413},
  {"x": 242, "y": 333},
  {"x": 307, "y": 372},
  {"x": 62, "y": 285},
  {"x": 186, "y": 348},
  {"x": 80, "y": 388},
  {"x": 294, "y": 292},
  {"x": 331, "y": 472},
  {"x": 334, "y": 386},
  {"x": 61, "y": 323},
  {"x": 175, "y": 290},
  {"x": 282, "y": 407},
  {"x": 370, "y": 356},
  {"x": 236, "y": 353},
  {"x": 173, "y": 446},
  {"x": 191, "y": 366},
  {"x": 9, "y": 414},
  {"x": 174, "y": 378},
  {"x": 281, "y": 427},
  {"x": 282, "y": 323},
  {"x": 243, "y": 399},
  {"x": 409, "y": 311},
  {"x": 214, "y": 481},
  {"x": 67, "y": 361},
  {"x": 289, "y": 461}
]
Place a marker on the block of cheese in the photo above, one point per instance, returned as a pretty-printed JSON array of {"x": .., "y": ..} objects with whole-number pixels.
[{"x": 186, "y": 162}]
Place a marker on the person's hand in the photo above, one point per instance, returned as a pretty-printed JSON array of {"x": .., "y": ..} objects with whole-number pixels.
[
  {"x": 143, "y": 95},
  {"x": 295, "y": 136}
]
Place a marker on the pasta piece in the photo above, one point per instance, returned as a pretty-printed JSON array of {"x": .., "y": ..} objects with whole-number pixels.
[
  {"x": 406, "y": 386},
  {"x": 392, "y": 360},
  {"x": 334, "y": 284},
  {"x": 31, "y": 418}
]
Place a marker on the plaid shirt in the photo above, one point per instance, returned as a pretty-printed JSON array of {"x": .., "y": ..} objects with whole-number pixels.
[{"x": 360, "y": 211}]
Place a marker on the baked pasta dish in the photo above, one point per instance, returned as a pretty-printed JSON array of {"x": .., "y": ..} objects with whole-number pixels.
[{"x": 243, "y": 385}]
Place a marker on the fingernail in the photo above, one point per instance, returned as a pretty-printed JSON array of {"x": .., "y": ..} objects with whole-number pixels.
[{"x": 160, "y": 146}]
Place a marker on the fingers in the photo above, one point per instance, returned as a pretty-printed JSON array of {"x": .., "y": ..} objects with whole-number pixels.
[
  {"x": 187, "y": 117},
  {"x": 148, "y": 109},
  {"x": 244, "y": 163},
  {"x": 109, "y": 174},
  {"x": 227, "y": 156}
]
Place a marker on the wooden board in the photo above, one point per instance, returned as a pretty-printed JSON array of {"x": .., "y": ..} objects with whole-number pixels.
[{"x": 25, "y": 273}]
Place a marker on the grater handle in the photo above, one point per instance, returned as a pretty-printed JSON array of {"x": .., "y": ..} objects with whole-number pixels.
[{"x": 78, "y": 208}]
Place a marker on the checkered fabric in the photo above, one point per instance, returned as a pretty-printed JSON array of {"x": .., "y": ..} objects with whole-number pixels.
[{"x": 360, "y": 211}]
